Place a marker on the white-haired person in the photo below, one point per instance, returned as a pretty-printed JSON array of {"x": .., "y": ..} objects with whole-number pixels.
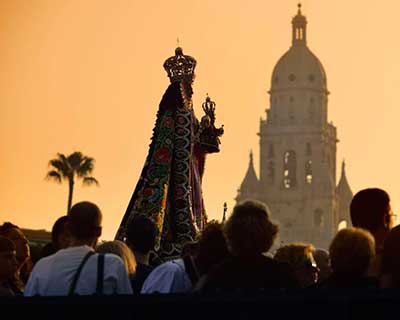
[{"x": 352, "y": 251}]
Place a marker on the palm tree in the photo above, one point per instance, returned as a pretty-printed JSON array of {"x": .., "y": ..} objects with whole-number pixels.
[{"x": 69, "y": 168}]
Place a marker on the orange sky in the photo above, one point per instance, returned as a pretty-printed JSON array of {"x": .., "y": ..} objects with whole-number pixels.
[{"x": 87, "y": 75}]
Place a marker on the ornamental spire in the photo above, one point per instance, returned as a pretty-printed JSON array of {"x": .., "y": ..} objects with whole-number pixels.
[
  {"x": 250, "y": 180},
  {"x": 343, "y": 167},
  {"x": 343, "y": 186},
  {"x": 299, "y": 28}
]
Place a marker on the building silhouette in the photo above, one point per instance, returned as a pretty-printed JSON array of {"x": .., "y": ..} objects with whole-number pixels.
[{"x": 297, "y": 177}]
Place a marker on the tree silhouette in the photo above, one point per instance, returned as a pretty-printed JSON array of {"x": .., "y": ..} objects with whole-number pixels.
[{"x": 69, "y": 168}]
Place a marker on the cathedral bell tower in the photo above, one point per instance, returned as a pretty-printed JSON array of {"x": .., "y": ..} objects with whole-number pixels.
[
  {"x": 298, "y": 147},
  {"x": 299, "y": 23}
]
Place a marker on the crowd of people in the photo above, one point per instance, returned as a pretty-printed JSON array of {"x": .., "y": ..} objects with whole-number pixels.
[{"x": 232, "y": 256}]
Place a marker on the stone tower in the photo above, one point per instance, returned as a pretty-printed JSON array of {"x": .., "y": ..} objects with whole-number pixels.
[{"x": 298, "y": 149}]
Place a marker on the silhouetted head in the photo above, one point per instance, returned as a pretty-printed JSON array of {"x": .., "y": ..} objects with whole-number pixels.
[
  {"x": 352, "y": 250},
  {"x": 60, "y": 234},
  {"x": 141, "y": 234},
  {"x": 211, "y": 248},
  {"x": 84, "y": 222},
  {"x": 249, "y": 229},
  {"x": 15, "y": 234},
  {"x": 299, "y": 256},
  {"x": 370, "y": 210}
]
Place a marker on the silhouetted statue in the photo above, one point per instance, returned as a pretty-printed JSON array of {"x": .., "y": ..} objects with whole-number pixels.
[{"x": 169, "y": 189}]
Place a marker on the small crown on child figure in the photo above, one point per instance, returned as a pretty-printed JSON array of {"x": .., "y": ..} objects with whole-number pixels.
[{"x": 180, "y": 66}]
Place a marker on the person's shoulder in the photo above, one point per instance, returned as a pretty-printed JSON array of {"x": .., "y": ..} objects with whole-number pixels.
[
  {"x": 164, "y": 277},
  {"x": 172, "y": 265},
  {"x": 167, "y": 269},
  {"x": 44, "y": 262},
  {"x": 112, "y": 259}
]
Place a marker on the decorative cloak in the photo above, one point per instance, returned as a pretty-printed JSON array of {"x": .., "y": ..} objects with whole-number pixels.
[{"x": 169, "y": 189}]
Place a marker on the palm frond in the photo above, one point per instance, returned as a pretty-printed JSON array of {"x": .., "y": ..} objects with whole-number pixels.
[
  {"x": 62, "y": 157},
  {"x": 60, "y": 166},
  {"x": 75, "y": 160},
  {"x": 54, "y": 175},
  {"x": 86, "y": 167},
  {"x": 88, "y": 181}
]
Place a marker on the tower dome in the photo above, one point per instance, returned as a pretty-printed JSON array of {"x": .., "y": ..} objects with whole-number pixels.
[{"x": 299, "y": 67}]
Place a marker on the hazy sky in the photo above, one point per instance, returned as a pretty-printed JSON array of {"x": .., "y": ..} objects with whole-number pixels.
[{"x": 87, "y": 75}]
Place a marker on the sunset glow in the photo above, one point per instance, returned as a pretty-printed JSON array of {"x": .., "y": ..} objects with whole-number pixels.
[{"x": 87, "y": 76}]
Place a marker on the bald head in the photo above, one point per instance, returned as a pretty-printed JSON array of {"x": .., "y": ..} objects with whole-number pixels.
[{"x": 84, "y": 221}]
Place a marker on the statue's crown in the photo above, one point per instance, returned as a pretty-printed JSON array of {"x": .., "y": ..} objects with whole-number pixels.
[{"x": 179, "y": 66}]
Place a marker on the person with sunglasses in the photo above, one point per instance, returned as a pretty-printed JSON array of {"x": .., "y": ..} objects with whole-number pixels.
[{"x": 299, "y": 257}]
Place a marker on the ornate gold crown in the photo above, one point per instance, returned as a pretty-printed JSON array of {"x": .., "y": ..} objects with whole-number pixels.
[{"x": 179, "y": 66}]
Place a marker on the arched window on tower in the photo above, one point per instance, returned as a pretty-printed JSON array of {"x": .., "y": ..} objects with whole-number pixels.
[
  {"x": 299, "y": 33},
  {"x": 308, "y": 171},
  {"x": 289, "y": 169}
]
